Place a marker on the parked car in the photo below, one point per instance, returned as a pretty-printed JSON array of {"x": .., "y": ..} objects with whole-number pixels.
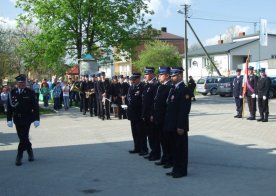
[
  {"x": 207, "y": 85},
  {"x": 225, "y": 86},
  {"x": 272, "y": 90}
]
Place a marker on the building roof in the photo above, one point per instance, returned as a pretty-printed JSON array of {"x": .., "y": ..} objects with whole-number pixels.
[
  {"x": 168, "y": 36},
  {"x": 219, "y": 48},
  {"x": 74, "y": 70}
]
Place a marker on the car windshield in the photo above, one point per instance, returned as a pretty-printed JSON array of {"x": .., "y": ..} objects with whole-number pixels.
[
  {"x": 200, "y": 81},
  {"x": 224, "y": 80}
]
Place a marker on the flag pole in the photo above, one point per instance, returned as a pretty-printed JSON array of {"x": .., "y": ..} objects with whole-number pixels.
[{"x": 245, "y": 83}]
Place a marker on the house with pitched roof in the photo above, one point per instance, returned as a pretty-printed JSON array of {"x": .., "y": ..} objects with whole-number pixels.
[
  {"x": 230, "y": 56},
  {"x": 124, "y": 67}
]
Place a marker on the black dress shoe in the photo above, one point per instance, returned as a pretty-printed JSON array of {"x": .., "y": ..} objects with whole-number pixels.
[
  {"x": 168, "y": 165},
  {"x": 170, "y": 173},
  {"x": 265, "y": 120},
  {"x": 143, "y": 153},
  {"x": 239, "y": 116},
  {"x": 160, "y": 163},
  {"x": 154, "y": 158},
  {"x": 18, "y": 160},
  {"x": 260, "y": 120},
  {"x": 178, "y": 175},
  {"x": 133, "y": 151},
  {"x": 147, "y": 156},
  {"x": 236, "y": 116},
  {"x": 251, "y": 118},
  {"x": 31, "y": 156}
]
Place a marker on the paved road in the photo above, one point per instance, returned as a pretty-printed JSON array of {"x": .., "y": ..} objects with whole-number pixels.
[{"x": 80, "y": 155}]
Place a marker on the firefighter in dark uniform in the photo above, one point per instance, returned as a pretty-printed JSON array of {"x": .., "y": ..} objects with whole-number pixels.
[
  {"x": 115, "y": 92},
  {"x": 149, "y": 92},
  {"x": 82, "y": 84},
  {"x": 99, "y": 98},
  {"x": 134, "y": 114},
  {"x": 124, "y": 90},
  {"x": 105, "y": 91},
  {"x": 251, "y": 89},
  {"x": 83, "y": 90},
  {"x": 237, "y": 93},
  {"x": 263, "y": 95},
  {"x": 23, "y": 110},
  {"x": 90, "y": 93},
  {"x": 158, "y": 117},
  {"x": 177, "y": 122}
]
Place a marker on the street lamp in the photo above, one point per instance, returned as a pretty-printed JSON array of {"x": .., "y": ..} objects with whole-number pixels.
[{"x": 185, "y": 40}]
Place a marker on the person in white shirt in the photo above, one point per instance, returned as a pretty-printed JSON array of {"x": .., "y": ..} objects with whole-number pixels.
[{"x": 65, "y": 91}]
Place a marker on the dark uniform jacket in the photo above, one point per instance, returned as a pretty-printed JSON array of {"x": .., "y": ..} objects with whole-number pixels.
[
  {"x": 22, "y": 108},
  {"x": 237, "y": 86},
  {"x": 252, "y": 81},
  {"x": 160, "y": 103},
  {"x": 134, "y": 97},
  {"x": 105, "y": 87},
  {"x": 149, "y": 92},
  {"x": 263, "y": 87},
  {"x": 116, "y": 93},
  {"x": 178, "y": 108}
]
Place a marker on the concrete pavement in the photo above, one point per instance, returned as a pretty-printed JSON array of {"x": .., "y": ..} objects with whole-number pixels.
[{"x": 80, "y": 155}]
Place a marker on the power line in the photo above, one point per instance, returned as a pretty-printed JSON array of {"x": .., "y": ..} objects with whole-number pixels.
[{"x": 221, "y": 20}]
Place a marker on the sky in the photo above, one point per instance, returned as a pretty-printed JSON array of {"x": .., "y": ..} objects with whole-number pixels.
[{"x": 241, "y": 14}]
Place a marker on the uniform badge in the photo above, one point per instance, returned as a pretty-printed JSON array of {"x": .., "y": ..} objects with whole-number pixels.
[
  {"x": 187, "y": 96},
  {"x": 137, "y": 93},
  {"x": 172, "y": 97},
  {"x": 148, "y": 90}
]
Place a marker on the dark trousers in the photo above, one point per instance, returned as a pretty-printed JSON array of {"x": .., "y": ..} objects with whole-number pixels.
[
  {"x": 91, "y": 105},
  {"x": 37, "y": 96},
  {"x": 180, "y": 153},
  {"x": 56, "y": 103},
  {"x": 150, "y": 129},
  {"x": 106, "y": 110},
  {"x": 23, "y": 130},
  {"x": 251, "y": 105},
  {"x": 167, "y": 141},
  {"x": 139, "y": 138},
  {"x": 100, "y": 107},
  {"x": 263, "y": 107},
  {"x": 81, "y": 102},
  {"x": 45, "y": 100},
  {"x": 85, "y": 105},
  {"x": 238, "y": 102}
]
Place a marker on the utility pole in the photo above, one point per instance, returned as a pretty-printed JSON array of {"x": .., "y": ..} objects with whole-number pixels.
[{"x": 186, "y": 44}]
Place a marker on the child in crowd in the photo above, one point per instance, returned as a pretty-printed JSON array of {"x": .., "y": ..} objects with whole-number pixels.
[{"x": 45, "y": 93}]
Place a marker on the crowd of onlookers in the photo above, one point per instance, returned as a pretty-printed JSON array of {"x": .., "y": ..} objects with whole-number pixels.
[{"x": 57, "y": 90}]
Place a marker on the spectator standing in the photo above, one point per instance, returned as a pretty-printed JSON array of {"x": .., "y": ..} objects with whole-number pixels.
[
  {"x": 56, "y": 95},
  {"x": 192, "y": 86},
  {"x": 36, "y": 88},
  {"x": 65, "y": 91},
  {"x": 45, "y": 91},
  {"x": 4, "y": 98}
]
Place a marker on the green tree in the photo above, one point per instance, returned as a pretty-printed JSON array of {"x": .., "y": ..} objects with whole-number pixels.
[
  {"x": 82, "y": 26},
  {"x": 158, "y": 53}
]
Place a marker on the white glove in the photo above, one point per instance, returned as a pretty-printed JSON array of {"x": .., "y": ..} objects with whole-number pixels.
[
  {"x": 257, "y": 96},
  {"x": 253, "y": 95},
  {"x": 264, "y": 97},
  {"x": 10, "y": 124},
  {"x": 240, "y": 97},
  {"x": 36, "y": 123}
]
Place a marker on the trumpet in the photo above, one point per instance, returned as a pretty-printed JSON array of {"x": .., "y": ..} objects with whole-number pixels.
[
  {"x": 90, "y": 92},
  {"x": 74, "y": 88}
]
